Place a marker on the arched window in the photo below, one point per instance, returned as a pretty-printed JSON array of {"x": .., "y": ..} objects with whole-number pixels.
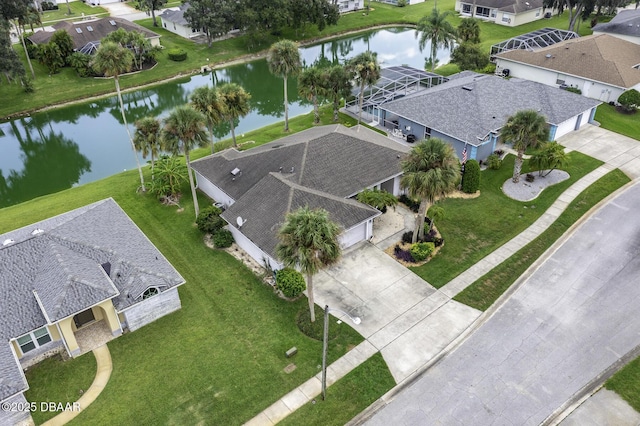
[{"x": 151, "y": 291}]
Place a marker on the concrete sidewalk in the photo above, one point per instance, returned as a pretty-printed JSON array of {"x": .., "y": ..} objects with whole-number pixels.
[{"x": 426, "y": 319}]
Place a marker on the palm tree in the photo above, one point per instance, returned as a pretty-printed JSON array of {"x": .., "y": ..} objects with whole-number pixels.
[
  {"x": 550, "y": 156},
  {"x": 436, "y": 29},
  {"x": 469, "y": 30},
  {"x": 147, "y": 138},
  {"x": 208, "y": 101},
  {"x": 309, "y": 86},
  {"x": 112, "y": 60},
  {"x": 235, "y": 105},
  {"x": 525, "y": 129},
  {"x": 431, "y": 170},
  {"x": 183, "y": 131},
  {"x": 336, "y": 85},
  {"x": 366, "y": 70},
  {"x": 284, "y": 61},
  {"x": 309, "y": 241}
]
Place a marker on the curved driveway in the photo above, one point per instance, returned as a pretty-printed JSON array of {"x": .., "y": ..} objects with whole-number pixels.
[{"x": 574, "y": 317}]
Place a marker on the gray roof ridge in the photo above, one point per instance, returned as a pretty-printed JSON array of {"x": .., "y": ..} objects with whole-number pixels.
[
  {"x": 303, "y": 161},
  {"x": 296, "y": 186},
  {"x": 67, "y": 216},
  {"x": 373, "y": 137},
  {"x": 138, "y": 268}
]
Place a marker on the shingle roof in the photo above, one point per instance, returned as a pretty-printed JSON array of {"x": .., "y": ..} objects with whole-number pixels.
[
  {"x": 332, "y": 159},
  {"x": 513, "y": 6},
  {"x": 90, "y": 31},
  {"x": 277, "y": 195},
  {"x": 176, "y": 16},
  {"x": 57, "y": 271},
  {"x": 601, "y": 58},
  {"x": 469, "y": 108},
  {"x": 11, "y": 379},
  {"x": 626, "y": 22}
]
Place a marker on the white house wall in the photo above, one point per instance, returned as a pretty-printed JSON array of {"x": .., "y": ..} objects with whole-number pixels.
[
  {"x": 354, "y": 235},
  {"x": 591, "y": 89},
  {"x": 524, "y": 17},
  {"x": 181, "y": 30},
  {"x": 350, "y": 5},
  {"x": 569, "y": 125},
  {"x": 252, "y": 249},
  {"x": 151, "y": 309},
  {"x": 213, "y": 191}
]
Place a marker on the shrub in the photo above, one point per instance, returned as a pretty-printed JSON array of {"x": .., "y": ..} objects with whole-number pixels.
[
  {"x": 209, "y": 220},
  {"x": 471, "y": 177},
  {"x": 494, "y": 162},
  {"x": 403, "y": 255},
  {"x": 290, "y": 282},
  {"x": 421, "y": 251},
  {"x": 574, "y": 90},
  {"x": 223, "y": 238},
  {"x": 530, "y": 177},
  {"x": 630, "y": 100},
  {"x": 409, "y": 202},
  {"x": 469, "y": 56},
  {"x": 407, "y": 237},
  {"x": 81, "y": 63},
  {"x": 27, "y": 85},
  {"x": 177, "y": 55},
  {"x": 402, "y": 3},
  {"x": 489, "y": 69}
]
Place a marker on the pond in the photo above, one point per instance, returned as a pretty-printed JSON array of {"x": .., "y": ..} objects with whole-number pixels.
[{"x": 57, "y": 149}]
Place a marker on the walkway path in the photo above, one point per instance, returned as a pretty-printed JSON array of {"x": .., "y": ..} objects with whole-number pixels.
[
  {"x": 407, "y": 328},
  {"x": 103, "y": 373}
]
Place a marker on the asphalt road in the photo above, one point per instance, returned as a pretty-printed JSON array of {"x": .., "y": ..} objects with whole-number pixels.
[{"x": 574, "y": 317}]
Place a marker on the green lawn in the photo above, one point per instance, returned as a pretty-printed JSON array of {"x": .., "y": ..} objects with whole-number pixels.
[
  {"x": 473, "y": 228},
  {"x": 626, "y": 383},
  {"x": 625, "y": 124},
  {"x": 50, "y": 17},
  {"x": 486, "y": 290},
  {"x": 66, "y": 86},
  {"x": 364, "y": 385}
]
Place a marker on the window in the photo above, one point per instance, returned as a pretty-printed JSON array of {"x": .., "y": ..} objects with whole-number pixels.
[
  {"x": 150, "y": 292},
  {"x": 482, "y": 11},
  {"x": 466, "y": 9},
  {"x": 493, "y": 13},
  {"x": 33, "y": 340},
  {"x": 427, "y": 132},
  {"x": 560, "y": 79},
  {"x": 506, "y": 18}
]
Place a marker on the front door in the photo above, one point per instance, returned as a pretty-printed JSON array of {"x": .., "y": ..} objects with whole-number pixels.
[{"x": 83, "y": 318}]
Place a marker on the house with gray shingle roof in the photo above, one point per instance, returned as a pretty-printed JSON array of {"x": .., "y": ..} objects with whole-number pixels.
[
  {"x": 601, "y": 66},
  {"x": 90, "y": 270},
  {"x": 173, "y": 20},
  {"x": 86, "y": 35},
  {"x": 470, "y": 109},
  {"x": 510, "y": 13},
  {"x": 625, "y": 25},
  {"x": 323, "y": 167}
]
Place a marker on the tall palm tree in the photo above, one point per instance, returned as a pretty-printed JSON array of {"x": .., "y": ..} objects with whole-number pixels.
[
  {"x": 431, "y": 170},
  {"x": 184, "y": 129},
  {"x": 208, "y": 101},
  {"x": 436, "y": 29},
  {"x": 309, "y": 86},
  {"x": 366, "y": 69},
  {"x": 309, "y": 241},
  {"x": 235, "y": 105},
  {"x": 146, "y": 138},
  {"x": 336, "y": 84},
  {"x": 112, "y": 60},
  {"x": 284, "y": 61},
  {"x": 525, "y": 129}
]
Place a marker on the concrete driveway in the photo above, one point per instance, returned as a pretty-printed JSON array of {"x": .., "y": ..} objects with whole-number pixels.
[
  {"x": 404, "y": 317},
  {"x": 574, "y": 317},
  {"x": 614, "y": 149}
]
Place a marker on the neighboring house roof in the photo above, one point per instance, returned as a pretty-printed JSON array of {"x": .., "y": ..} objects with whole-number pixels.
[
  {"x": 62, "y": 265},
  {"x": 626, "y": 22},
  {"x": 469, "y": 108},
  {"x": 176, "y": 16},
  {"x": 85, "y": 32},
  {"x": 512, "y": 6},
  {"x": 320, "y": 167},
  {"x": 12, "y": 380},
  {"x": 601, "y": 58}
]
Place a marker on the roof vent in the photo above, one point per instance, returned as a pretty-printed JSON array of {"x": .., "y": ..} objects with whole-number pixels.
[
  {"x": 467, "y": 88},
  {"x": 78, "y": 30},
  {"x": 37, "y": 231},
  {"x": 235, "y": 171},
  {"x": 112, "y": 22},
  {"x": 8, "y": 242}
]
